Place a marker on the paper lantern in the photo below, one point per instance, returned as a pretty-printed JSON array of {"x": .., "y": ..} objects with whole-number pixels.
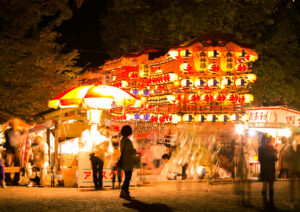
[
  {"x": 240, "y": 83},
  {"x": 173, "y": 77},
  {"x": 186, "y": 83},
  {"x": 154, "y": 118},
  {"x": 135, "y": 91},
  {"x": 185, "y": 53},
  {"x": 146, "y": 117},
  {"x": 235, "y": 117},
  {"x": 250, "y": 78},
  {"x": 200, "y": 61},
  {"x": 185, "y": 68},
  {"x": 214, "y": 68},
  {"x": 194, "y": 98},
  {"x": 200, "y": 118},
  {"x": 246, "y": 98},
  {"x": 241, "y": 54},
  {"x": 129, "y": 117},
  {"x": 187, "y": 117},
  {"x": 212, "y": 118},
  {"x": 213, "y": 83},
  {"x": 124, "y": 84},
  {"x": 207, "y": 98},
  {"x": 228, "y": 62},
  {"x": 144, "y": 70},
  {"x": 170, "y": 99},
  {"x": 175, "y": 118},
  {"x": 173, "y": 54},
  {"x": 133, "y": 75},
  {"x": 200, "y": 83},
  {"x": 223, "y": 118},
  {"x": 213, "y": 54},
  {"x": 146, "y": 92},
  {"x": 137, "y": 116},
  {"x": 241, "y": 67},
  {"x": 227, "y": 82},
  {"x": 220, "y": 97},
  {"x": 232, "y": 97}
]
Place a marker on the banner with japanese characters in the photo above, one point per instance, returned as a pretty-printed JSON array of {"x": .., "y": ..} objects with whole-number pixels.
[
  {"x": 273, "y": 117},
  {"x": 85, "y": 173}
]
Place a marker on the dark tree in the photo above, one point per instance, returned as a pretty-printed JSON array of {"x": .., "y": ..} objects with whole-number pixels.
[
  {"x": 269, "y": 25},
  {"x": 33, "y": 66}
]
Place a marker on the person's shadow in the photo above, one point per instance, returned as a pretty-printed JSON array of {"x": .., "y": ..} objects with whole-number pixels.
[{"x": 141, "y": 206}]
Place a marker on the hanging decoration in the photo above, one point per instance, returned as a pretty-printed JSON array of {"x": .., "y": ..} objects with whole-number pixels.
[{"x": 204, "y": 75}]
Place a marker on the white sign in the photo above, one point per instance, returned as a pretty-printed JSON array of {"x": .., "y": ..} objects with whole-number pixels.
[
  {"x": 85, "y": 172},
  {"x": 273, "y": 117}
]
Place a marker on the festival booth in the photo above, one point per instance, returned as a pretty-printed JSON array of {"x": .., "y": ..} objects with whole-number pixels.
[
  {"x": 79, "y": 109},
  {"x": 194, "y": 94},
  {"x": 277, "y": 121}
]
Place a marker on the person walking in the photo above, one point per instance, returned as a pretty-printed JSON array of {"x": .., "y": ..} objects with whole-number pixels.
[
  {"x": 15, "y": 136},
  {"x": 127, "y": 158},
  {"x": 267, "y": 158},
  {"x": 295, "y": 171},
  {"x": 284, "y": 159},
  {"x": 115, "y": 169},
  {"x": 39, "y": 154}
]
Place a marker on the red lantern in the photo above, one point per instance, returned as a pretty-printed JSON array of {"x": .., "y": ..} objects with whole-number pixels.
[
  {"x": 214, "y": 68},
  {"x": 241, "y": 67},
  {"x": 194, "y": 98},
  {"x": 232, "y": 97},
  {"x": 220, "y": 97},
  {"x": 207, "y": 98},
  {"x": 133, "y": 75},
  {"x": 186, "y": 68}
]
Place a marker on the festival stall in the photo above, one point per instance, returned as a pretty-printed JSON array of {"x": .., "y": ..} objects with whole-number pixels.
[{"x": 78, "y": 128}]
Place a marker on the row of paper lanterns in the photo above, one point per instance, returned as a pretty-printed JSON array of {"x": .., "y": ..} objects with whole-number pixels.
[
  {"x": 175, "y": 118},
  {"x": 206, "y": 98},
  {"x": 213, "y": 54},
  {"x": 200, "y": 83},
  {"x": 186, "y": 68}
]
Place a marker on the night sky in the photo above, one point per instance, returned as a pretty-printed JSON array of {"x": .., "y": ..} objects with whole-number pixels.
[{"x": 82, "y": 32}]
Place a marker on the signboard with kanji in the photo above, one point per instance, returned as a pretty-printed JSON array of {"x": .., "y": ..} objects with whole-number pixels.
[{"x": 275, "y": 117}]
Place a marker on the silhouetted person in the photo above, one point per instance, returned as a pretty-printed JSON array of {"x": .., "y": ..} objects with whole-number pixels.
[
  {"x": 284, "y": 159},
  {"x": 267, "y": 158},
  {"x": 127, "y": 156},
  {"x": 295, "y": 170},
  {"x": 14, "y": 137}
]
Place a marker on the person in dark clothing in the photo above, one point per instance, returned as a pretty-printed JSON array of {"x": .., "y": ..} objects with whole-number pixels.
[
  {"x": 295, "y": 171},
  {"x": 14, "y": 137},
  {"x": 267, "y": 156},
  {"x": 127, "y": 157}
]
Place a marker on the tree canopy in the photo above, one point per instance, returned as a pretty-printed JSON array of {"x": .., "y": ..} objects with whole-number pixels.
[
  {"x": 33, "y": 66},
  {"x": 271, "y": 26}
]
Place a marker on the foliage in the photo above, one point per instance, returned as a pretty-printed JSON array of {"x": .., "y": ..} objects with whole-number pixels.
[
  {"x": 269, "y": 25},
  {"x": 34, "y": 67}
]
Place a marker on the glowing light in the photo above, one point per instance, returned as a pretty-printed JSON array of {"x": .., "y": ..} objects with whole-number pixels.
[
  {"x": 172, "y": 54},
  {"x": 187, "y": 117},
  {"x": 176, "y": 118},
  {"x": 240, "y": 129},
  {"x": 200, "y": 83},
  {"x": 213, "y": 83}
]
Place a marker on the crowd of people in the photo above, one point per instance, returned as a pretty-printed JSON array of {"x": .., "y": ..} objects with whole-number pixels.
[
  {"x": 28, "y": 154},
  {"x": 277, "y": 161},
  {"x": 116, "y": 151}
]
